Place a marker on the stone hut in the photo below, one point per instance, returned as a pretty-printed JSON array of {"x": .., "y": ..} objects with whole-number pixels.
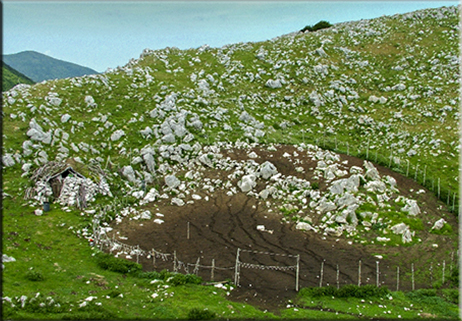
[{"x": 65, "y": 183}]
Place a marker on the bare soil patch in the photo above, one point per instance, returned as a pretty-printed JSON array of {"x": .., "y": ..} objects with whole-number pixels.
[{"x": 224, "y": 223}]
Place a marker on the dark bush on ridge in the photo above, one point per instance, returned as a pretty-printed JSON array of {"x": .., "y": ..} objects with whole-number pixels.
[
  {"x": 347, "y": 291},
  {"x": 320, "y": 25},
  {"x": 108, "y": 262}
]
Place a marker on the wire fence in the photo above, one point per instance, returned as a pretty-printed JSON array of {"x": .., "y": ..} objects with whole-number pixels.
[
  {"x": 304, "y": 271},
  {"x": 440, "y": 186}
]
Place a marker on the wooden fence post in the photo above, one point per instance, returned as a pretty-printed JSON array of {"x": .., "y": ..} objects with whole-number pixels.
[
  {"x": 187, "y": 233},
  {"x": 444, "y": 266},
  {"x": 359, "y": 273},
  {"x": 397, "y": 278},
  {"x": 377, "y": 274},
  {"x": 196, "y": 267},
  {"x": 174, "y": 262},
  {"x": 412, "y": 271},
  {"x": 297, "y": 274},
  {"x": 338, "y": 285},
  {"x": 407, "y": 171},
  {"x": 322, "y": 273},
  {"x": 153, "y": 257},
  {"x": 416, "y": 172},
  {"x": 438, "y": 187},
  {"x": 212, "y": 274},
  {"x": 236, "y": 270}
]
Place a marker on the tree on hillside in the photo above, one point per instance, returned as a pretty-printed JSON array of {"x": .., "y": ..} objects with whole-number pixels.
[{"x": 320, "y": 25}]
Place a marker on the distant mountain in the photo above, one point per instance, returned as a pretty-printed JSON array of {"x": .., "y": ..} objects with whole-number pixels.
[
  {"x": 12, "y": 77},
  {"x": 39, "y": 67}
]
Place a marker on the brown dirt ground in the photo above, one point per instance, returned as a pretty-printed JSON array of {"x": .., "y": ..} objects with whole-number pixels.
[{"x": 223, "y": 224}]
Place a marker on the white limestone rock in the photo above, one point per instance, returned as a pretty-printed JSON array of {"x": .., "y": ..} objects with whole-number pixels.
[
  {"x": 411, "y": 207},
  {"x": 439, "y": 224},
  {"x": 267, "y": 170},
  {"x": 172, "y": 181},
  {"x": 8, "y": 160},
  {"x": 274, "y": 84},
  {"x": 305, "y": 226},
  {"x": 247, "y": 183},
  {"x": 177, "y": 201},
  {"x": 117, "y": 135},
  {"x": 65, "y": 118}
]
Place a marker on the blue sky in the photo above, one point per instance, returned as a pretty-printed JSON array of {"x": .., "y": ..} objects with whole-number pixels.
[{"x": 107, "y": 34}]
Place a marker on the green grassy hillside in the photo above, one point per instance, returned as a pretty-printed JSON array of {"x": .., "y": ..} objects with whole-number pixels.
[
  {"x": 385, "y": 89},
  {"x": 11, "y": 78}
]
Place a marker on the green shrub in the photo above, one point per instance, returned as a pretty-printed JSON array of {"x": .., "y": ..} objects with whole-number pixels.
[
  {"x": 33, "y": 275},
  {"x": 200, "y": 314},
  {"x": 108, "y": 262},
  {"x": 320, "y": 25},
  {"x": 181, "y": 279},
  {"x": 451, "y": 295}
]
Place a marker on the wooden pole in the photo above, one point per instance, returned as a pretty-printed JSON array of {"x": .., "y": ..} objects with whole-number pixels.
[
  {"x": 236, "y": 270},
  {"x": 444, "y": 266},
  {"x": 338, "y": 285},
  {"x": 196, "y": 268},
  {"x": 212, "y": 275},
  {"x": 454, "y": 202},
  {"x": 412, "y": 270},
  {"x": 153, "y": 257},
  {"x": 174, "y": 262},
  {"x": 407, "y": 171},
  {"x": 416, "y": 171},
  {"x": 322, "y": 273},
  {"x": 377, "y": 274},
  {"x": 137, "y": 254},
  {"x": 438, "y": 187},
  {"x": 297, "y": 274},
  {"x": 397, "y": 278},
  {"x": 359, "y": 273},
  {"x": 187, "y": 234},
  {"x": 348, "y": 149},
  {"x": 424, "y": 174}
]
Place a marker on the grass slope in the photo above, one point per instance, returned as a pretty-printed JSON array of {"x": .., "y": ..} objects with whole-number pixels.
[
  {"x": 330, "y": 80},
  {"x": 11, "y": 78},
  {"x": 39, "y": 67}
]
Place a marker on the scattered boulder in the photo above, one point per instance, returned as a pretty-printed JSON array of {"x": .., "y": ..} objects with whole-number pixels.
[
  {"x": 247, "y": 183},
  {"x": 267, "y": 170},
  {"x": 439, "y": 224},
  {"x": 172, "y": 181}
]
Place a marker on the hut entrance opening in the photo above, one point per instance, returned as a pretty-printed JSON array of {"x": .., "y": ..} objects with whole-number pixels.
[{"x": 57, "y": 181}]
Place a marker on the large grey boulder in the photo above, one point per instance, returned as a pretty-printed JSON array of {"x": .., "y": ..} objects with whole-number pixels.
[
  {"x": 376, "y": 186},
  {"x": 129, "y": 173},
  {"x": 267, "y": 170},
  {"x": 150, "y": 162},
  {"x": 65, "y": 118},
  {"x": 247, "y": 183},
  {"x": 172, "y": 181},
  {"x": 371, "y": 172},
  {"x": 411, "y": 207},
  {"x": 117, "y": 135},
  {"x": 8, "y": 160},
  {"x": 439, "y": 224},
  {"x": 274, "y": 84}
]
